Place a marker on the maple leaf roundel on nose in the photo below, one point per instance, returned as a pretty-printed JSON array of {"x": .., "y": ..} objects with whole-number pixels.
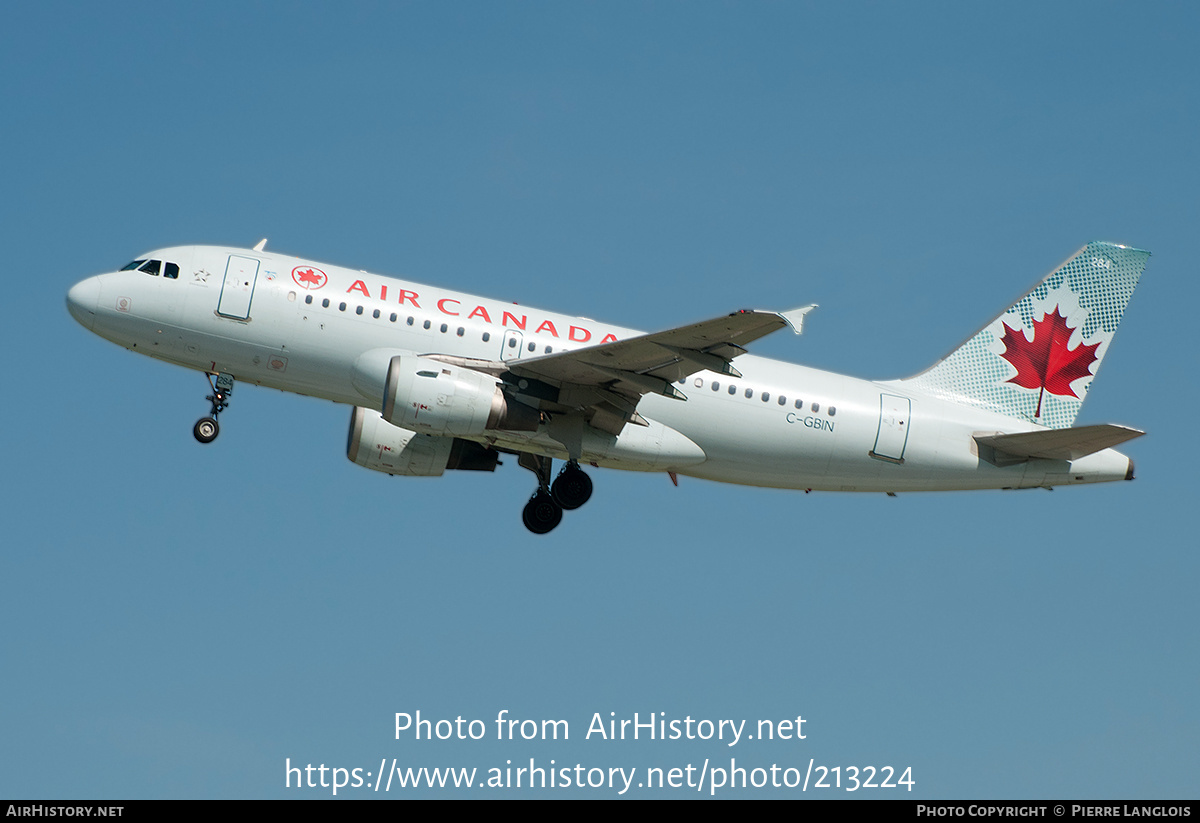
[
  {"x": 1045, "y": 362},
  {"x": 309, "y": 277}
]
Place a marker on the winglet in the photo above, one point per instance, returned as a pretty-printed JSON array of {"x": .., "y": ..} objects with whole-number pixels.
[
  {"x": 262, "y": 244},
  {"x": 795, "y": 317}
]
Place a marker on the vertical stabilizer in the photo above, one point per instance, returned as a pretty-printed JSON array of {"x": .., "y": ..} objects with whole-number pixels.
[{"x": 1036, "y": 361}]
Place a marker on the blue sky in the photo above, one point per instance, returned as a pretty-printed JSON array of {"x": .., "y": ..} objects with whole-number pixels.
[{"x": 179, "y": 620}]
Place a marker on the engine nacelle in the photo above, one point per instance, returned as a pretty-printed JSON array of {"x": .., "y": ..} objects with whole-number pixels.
[
  {"x": 378, "y": 445},
  {"x": 432, "y": 397}
]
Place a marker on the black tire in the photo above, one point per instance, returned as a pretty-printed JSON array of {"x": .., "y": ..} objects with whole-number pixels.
[
  {"x": 541, "y": 513},
  {"x": 572, "y": 488},
  {"x": 206, "y": 429}
]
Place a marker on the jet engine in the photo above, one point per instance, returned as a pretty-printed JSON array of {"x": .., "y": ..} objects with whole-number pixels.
[
  {"x": 378, "y": 445},
  {"x": 432, "y": 397}
]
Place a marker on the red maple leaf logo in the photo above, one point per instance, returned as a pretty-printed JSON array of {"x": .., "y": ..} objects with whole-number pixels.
[
  {"x": 309, "y": 278},
  {"x": 1045, "y": 362}
]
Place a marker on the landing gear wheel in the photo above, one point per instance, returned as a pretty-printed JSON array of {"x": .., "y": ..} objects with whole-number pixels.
[
  {"x": 572, "y": 488},
  {"x": 541, "y": 513},
  {"x": 206, "y": 430}
]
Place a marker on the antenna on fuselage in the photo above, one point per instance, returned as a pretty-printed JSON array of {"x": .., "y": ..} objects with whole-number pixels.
[{"x": 262, "y": 244}]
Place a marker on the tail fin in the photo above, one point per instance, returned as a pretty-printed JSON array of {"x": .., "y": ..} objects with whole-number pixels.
[{"x": 1036, "y": 361}]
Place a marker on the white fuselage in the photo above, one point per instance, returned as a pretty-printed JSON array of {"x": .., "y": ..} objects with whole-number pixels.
[{"x": 314, "y": 332}]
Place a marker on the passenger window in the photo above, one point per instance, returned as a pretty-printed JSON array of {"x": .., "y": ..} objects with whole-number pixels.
[
  {"x": 151, "y": 267},
  {"x": 532, "y": 346},
  {"x": 733, "y": 389},
  {"x": 393, "y": 317},
  {"x": 460, "y": 331},
  {"x": 341, "y": 306},
  {"x": 699, "y": 383},
  {"x": 444, "y": 327},
  {"x": 486, "y": 337},
  {"x": 548, "y": 350},
  {"x": 427, "y": 325},
  {"x": 766, "y": 396},
  {"x": 749, "y": 393},
  {"x": 512, "y": 342},
  {"x": 325, "y": 303},
  {"x": 308, "y": 299},
  {"x": 375, "y": 314},
  {"x": 800, "y": 404},
  {"x": 816, "y": 407},
  {"x": 832, "y": 411},
  {"x": 410, "y": 321},
  {"x": 782, "y": 400},
  {"x": 716, "y": 386},
  {"x": 171, "y": 272},
  {"x": 358, "y": 311}
]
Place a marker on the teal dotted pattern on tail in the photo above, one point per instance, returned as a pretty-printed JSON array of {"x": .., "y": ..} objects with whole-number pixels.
[{"x": 1091, "y": 289}]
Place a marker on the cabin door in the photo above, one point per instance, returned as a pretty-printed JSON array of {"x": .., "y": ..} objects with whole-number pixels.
[
  {"x": 238, "y": 289},
  {"x": 892, "y": 436}
]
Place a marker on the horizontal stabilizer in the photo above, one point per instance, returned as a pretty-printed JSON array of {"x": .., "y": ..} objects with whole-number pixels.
[{"x": 1058, "y": 444}]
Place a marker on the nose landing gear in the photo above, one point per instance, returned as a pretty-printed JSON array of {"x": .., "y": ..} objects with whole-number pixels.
[{"x": 206, "y": 428}]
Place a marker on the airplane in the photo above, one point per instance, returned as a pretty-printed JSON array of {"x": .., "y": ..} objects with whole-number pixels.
[{"x": 440, "y": 380}]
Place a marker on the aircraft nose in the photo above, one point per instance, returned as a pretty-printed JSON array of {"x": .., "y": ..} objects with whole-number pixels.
[{"x": 82, "y": 299}]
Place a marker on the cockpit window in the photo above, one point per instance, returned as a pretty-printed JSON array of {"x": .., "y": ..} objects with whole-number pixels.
[
  {"x": 151, "y": 267},
  {"x": 134, "y": 265},
  {"x": 171, "y": 271}
]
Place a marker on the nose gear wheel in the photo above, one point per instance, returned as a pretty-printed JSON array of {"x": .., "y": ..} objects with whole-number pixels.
[{"x": 206, "y": 430}]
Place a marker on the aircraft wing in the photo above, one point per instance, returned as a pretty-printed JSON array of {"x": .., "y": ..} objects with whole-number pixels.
[{"x": 606, "y": 381}]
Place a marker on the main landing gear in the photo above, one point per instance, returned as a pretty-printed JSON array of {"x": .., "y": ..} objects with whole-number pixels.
[
  {"x": 570, "y": 490},
  {"x": 572, "y": 487},
  {"x": 206, "y": 428}
]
